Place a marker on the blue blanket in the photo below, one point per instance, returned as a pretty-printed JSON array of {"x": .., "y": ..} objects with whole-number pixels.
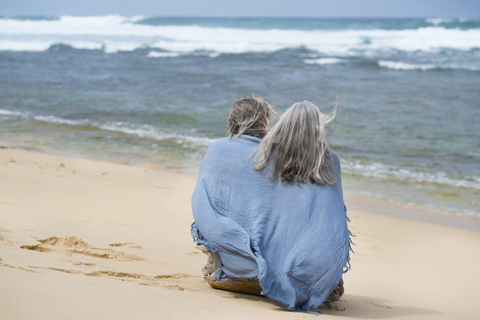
[{"x": 293, "y": 239}]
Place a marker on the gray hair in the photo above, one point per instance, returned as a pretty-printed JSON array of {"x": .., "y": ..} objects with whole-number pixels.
[
  {"x": 297, "y": 146},
  {"x": 250, "y": 115}
]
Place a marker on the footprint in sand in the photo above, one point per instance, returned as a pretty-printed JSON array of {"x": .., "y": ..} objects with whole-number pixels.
[
  {"x": 76, "y": 245},
  {"x": 16, "y": 267},
  {"x": 126, "y": 244},
  {"x": 115, "y": 274},
  {"x": 7, "y": 240},
  {"x": 147, "y": 280},
  {"x": 375, "y": 303},
  {"x": 330, "y": 307},
  {"x": 174, "y": 287},
  {"x": 174, "y": 276},
  {"x": 40, "y": 248},
  {"x": 65, "y": 270},
  {"x": 78, "y": 263}
]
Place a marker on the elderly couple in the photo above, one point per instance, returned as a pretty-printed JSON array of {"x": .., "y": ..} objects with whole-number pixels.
[{"x": 269, "y": 205}]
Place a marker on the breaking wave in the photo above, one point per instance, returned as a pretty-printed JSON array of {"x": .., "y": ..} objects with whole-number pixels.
[
  {"x": 115, "y": 33},
  {"x": 140, "y": 130},
  {"x": 156, "y": 54},
  {"x": 383, "y": 171},
  {"x": 408, "y": 66},
  {"x": 322, "y": 61},
  {"x": 149, "y": 131},
  {"x": 405, "y": 66}
]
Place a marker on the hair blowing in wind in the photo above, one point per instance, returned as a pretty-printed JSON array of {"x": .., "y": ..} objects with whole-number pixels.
[
  {"x": 250, "y": 115},
  {"x": 297, "y": 146}
]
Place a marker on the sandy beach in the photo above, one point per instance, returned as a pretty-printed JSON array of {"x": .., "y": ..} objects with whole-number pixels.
[{"x": 85, "y": 239}]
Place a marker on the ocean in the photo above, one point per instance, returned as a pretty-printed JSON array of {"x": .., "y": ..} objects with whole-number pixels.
[{"x": 157, "y": 91}]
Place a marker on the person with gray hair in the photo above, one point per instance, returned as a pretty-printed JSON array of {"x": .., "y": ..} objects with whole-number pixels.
[
  {"x": 297, "y": 146},
  {"x": 271, "y": 212}
]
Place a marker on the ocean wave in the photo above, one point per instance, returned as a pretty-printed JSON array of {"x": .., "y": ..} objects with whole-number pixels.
[
  {"x": 405, "y": 66},
  {"x": 323, "y": 61},
  {"x": 26, "y": 45},
  {"x": 117, "y": 46},
  {"x": 135, "y": 18},
  {"x": 451, "y": 23},
  {"x": 439, "y": 21},
  {"x": 9, "y": 113},
  {"x": 140, "y": 130},
  {"x": 106, "y": 46},
  {"x": 156, "y": 54},
  {"x": 58, "y": 120},
  {"x": 148, "y": 131},
  {"x": 116, "y": 33},
  {"x": 408, "y": 66},
  {"x": 383, "y": 171},
  {"x": 11, "y": 45}
]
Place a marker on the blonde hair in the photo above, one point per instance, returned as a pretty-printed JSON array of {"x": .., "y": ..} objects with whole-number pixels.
[
  {"x": 250, "y": 115},
  {"x": 297, "y": 146}
]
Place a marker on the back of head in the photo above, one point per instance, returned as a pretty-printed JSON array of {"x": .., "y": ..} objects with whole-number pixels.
[
  {"x": 250, "y": 115},
  {"x": 297, "y": 146}
]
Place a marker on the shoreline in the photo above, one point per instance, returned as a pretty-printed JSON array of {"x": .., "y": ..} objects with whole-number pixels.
[
  {"x": 394, "y": 210},
  {"x": 92, "y": 239},
  {"x": 355, "y": 202}
]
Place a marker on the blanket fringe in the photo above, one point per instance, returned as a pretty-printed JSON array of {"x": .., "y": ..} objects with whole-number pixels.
[{"x": 348, "y": 266}]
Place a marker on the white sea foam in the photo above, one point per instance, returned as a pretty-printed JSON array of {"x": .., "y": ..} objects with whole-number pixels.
[
  {"x": 26, "y": 45},
  {"x": 437, "y": 21},
  {"x": 116, "y": 33},
  {"x": 382, "y": 171},
  {"x": 135, "y": 18},
  {"x": 148, "y": 131},
  {"x": 405, "y": 66},
  {"x": 12, "y": 45},
  {"x": 43, "y": 118},
  {"x": 116, "y": 46},
  {"x": 140, "y": 130},
  {"x": 227, "y": 46},
  {"x": 156, "y": 54},
  {"x": 408, "y": 66},
  {"x": 322, "y": 61},
  {"x": 9, "y": 113},
  {"x": 58, "y": 120}
]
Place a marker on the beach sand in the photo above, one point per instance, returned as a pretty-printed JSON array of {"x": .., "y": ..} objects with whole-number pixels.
[{"x": 84, "y": 239}]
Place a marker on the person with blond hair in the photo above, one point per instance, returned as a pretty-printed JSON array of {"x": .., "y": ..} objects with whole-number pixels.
[
  {"x": 272, "y": 210},
  {"x": 250, "y": 116}
]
